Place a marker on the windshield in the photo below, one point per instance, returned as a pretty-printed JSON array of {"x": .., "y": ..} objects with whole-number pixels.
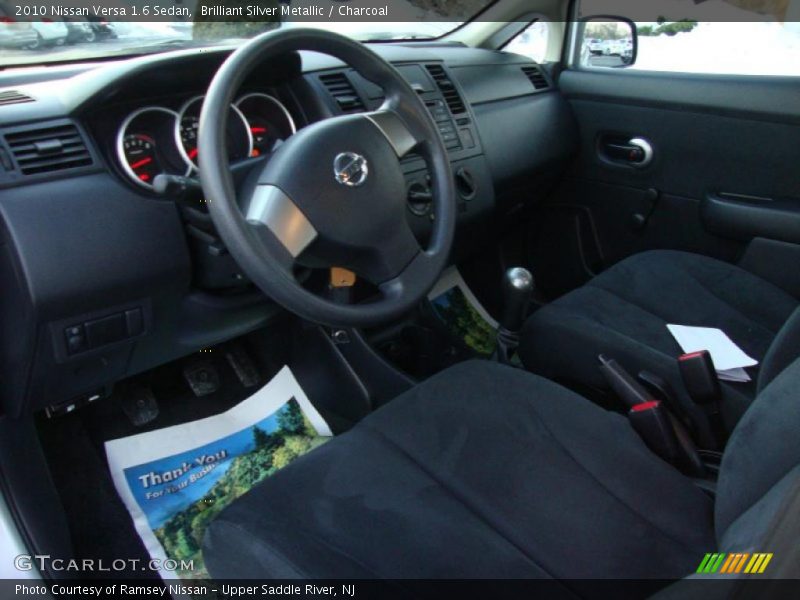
[{"x": 31, "y": 33}]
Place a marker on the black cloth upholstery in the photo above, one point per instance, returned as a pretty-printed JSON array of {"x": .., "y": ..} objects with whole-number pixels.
[
  {"x": 762, "y": 457},
  {"x": 623, "y": 313},
  {"x": 483, "y": 471},
  {"x": 784, "y": 349}
]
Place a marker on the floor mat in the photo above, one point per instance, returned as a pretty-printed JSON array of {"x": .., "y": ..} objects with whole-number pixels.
[
  {"x": 175, "y": 481},
  {"x": 100, "y": 525}
]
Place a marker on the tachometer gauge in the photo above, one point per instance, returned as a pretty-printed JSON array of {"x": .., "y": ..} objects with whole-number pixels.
[
  {"x": 239, "y": 140},
  {"x": 269, "y": 121},
  {"x": 141, "y": 157},
  {"x": 189, "y": 127},
  {"x": 146, "y": 147}
]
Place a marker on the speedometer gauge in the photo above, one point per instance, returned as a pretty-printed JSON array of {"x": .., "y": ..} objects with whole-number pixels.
[
  {"x": 239, "y": 140},
  {"x": 189, "y": 127}
]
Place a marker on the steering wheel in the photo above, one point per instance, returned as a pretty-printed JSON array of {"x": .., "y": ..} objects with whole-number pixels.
[{"x": 333, "y": 195}]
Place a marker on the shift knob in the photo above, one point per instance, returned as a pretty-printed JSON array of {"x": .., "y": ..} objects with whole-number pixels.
[{"x": 518, "y": 286}]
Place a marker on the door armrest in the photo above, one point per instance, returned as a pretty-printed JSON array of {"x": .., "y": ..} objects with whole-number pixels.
[{"x": 744, "y": 217}]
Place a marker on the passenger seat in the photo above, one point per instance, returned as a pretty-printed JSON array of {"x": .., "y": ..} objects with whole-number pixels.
[{"x": 624, "y": 311}]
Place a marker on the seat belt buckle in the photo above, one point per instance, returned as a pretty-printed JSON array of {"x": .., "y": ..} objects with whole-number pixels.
[
  {"x": 700, "y": 378},
  {"x": 651, "y": 421},
  {"x": 702, "y": 385},
  {"x": 689, "y": 430}
]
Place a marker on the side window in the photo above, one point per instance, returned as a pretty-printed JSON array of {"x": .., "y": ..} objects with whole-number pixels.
[
  {"x": 531, "y": 41},
  {"x": 755, "y": 48},
  {"x": 732, "y": 37}
]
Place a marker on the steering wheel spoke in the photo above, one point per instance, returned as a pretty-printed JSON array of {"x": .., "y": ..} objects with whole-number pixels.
[
  {"x": 267, "y": 245},
  {"x": 394, "y": 129},
  {"x": 272, "y": 207},
  {"x": 388, "y": 260},
  {"x": 408, "y": 280}
]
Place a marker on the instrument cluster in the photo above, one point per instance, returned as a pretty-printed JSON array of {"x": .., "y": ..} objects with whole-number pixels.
[{"x": 154, "y": 139}]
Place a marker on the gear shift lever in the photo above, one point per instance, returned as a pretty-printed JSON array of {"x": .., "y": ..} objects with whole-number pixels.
[{"x": 518, "y": 286}]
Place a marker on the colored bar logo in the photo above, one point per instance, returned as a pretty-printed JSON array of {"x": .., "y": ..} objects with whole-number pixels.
[{"x": 736, "y": 562}]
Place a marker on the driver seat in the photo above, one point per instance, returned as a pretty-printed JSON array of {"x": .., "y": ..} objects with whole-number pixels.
[{"x": 487, "y": 472}]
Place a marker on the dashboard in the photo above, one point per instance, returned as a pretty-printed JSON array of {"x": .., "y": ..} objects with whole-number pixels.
[{"x": 106, "y": 274}]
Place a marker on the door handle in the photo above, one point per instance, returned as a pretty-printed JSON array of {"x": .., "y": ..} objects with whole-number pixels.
[{"x": 636, "y": 152}]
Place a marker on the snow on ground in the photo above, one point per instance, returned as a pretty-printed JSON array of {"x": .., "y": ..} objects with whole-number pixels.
[{"x": 731, "y": 48}]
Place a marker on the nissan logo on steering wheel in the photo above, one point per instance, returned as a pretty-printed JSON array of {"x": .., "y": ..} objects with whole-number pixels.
[{"x": 350, "y": 169}]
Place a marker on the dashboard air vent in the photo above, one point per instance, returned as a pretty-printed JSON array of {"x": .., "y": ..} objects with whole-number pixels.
[
  {"x": 13, "y": 97},
  {"x": 343, "y": 92},
  {"x": 536, "y": 77},
  {"x": 448, "y": 89},
  {"x": 48, "y": 149}
]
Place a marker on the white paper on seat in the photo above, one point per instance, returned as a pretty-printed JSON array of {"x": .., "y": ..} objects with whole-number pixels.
[
  {"x": 729, "y": 360},
  {"x": 735, "y": 375}
]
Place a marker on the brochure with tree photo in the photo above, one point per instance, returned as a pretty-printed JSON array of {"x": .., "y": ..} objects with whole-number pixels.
[
  {"x": 174, "y": 481},
  {"x": 462, "y": 314}
]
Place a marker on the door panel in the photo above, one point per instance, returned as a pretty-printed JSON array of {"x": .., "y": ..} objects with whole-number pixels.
[
  {"x": 710, "y": 135},
  {"x": 693, "y": 152}
]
